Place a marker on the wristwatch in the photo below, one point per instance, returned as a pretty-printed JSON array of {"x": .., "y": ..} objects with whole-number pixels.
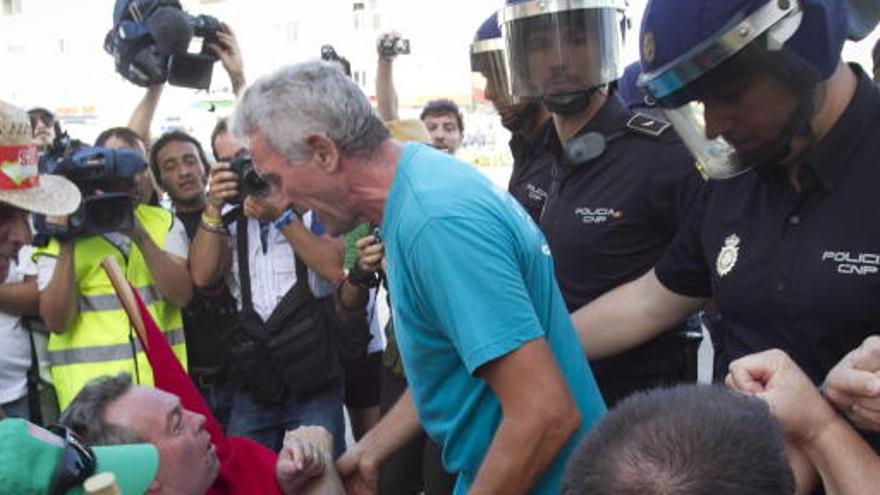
[{"x": 285, "y": 219}]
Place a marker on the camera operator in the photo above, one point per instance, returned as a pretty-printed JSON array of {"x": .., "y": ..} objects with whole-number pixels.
[
  {"x": 282, "y": 269},
  {"x": 44, "y": 128},
  {"x": 442, "y": 118},
  {"x": 226, "y": 49},
  {"x": 91, "y": 335},
  {"x": 126, "y": 138}
]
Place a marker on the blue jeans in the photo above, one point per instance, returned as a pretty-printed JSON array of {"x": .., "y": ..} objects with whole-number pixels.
[
  {"x": 219, "y": 398},
  {"x": 267, "y": 424},
  {"x": 19, "y": 408}
]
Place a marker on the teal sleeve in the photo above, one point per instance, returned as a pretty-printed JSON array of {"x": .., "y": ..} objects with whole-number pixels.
[{"x": 469, "y": 277}]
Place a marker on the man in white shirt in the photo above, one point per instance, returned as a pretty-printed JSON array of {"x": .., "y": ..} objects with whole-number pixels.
[
  {"x": 18, "y": 298},
  {"x": 285, "y": 370}
]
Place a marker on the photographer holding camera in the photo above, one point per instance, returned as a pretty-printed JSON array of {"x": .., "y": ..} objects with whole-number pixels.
[
  {"x": 91, "y": 334},
  {"x": 282, "y": 270},
  {"x": 441, "y": 117}
]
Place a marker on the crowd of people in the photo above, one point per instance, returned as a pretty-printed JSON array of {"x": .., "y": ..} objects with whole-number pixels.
[{"x": 542, "y": 339}]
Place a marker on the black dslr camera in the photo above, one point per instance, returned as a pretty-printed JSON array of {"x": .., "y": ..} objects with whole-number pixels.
[
  {"x": 105, "y": 177},
  {"x": 194, "y": 70},
  {"x": 249, "y": 181}
]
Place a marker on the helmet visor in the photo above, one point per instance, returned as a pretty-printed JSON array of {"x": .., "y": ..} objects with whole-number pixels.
[
  {"x": 489, "y": 68},
  {"x": 562, "y": 47},
  {"x": 739, "y": 100}
]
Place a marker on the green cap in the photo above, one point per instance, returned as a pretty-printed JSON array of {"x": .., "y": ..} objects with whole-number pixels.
[{"x": 30, "y": 454}]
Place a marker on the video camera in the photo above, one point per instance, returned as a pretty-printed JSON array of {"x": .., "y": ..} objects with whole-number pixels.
[
  {"x": 194, "y": 70},
  {"x": 249, "y": 181},
  {"x": 391, "y": 47},
  {"x": 150, "y": 42},
  {"x": 105, "y": 177}
]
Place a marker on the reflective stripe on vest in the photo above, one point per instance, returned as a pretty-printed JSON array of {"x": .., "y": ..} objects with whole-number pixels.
[
  {"x": 150, "y": 295},
  {"x": 97, "y": 342},
  {"x": 98, "y": 354}
]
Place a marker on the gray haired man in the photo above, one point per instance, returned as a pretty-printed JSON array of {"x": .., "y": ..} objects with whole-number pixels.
[{"x": 495, "y": 371}]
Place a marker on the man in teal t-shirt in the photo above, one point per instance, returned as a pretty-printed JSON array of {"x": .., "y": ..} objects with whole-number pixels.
[
  {"x": 473, "y": 281},
  {"x": 497, "y": 375}
]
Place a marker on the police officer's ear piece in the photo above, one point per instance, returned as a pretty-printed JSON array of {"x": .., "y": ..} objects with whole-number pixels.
[{"x": 583, "y": 149}]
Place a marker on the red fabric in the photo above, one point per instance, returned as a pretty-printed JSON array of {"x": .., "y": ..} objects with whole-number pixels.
[{"x": 246, "y": 466}]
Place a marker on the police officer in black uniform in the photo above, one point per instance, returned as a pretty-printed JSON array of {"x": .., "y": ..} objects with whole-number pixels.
[
  {"x": 785, "y": 237},
  {"x": 527, "y": 120},
  {"x": 621, "y": 181}
]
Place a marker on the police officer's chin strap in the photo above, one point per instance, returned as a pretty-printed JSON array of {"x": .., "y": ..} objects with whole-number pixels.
[
  {"x": 768, "y": 160},
  {"x": 569, "y": 104}
]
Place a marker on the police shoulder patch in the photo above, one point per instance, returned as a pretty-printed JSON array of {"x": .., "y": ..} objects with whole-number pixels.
[{"x": 647, "y": 125}]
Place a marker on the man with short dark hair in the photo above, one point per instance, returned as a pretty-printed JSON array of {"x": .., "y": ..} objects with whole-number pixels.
[
  {"x": 687, "y": 440},
  {"x": 181, "y": 167},
  {"x": 90, "y": 330},
  {"x": 112, "y": 411},
  {"x": 527, "y": 120},
  {"x": 441, "y": 117},
  {"x": 443, "y": 120},
  {"x": 789, "y": 134}
]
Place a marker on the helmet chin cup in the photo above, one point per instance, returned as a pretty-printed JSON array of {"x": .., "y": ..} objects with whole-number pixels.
[{"x": 568, "y": 104}]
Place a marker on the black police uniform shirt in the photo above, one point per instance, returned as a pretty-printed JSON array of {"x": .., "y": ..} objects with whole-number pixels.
[
  {"x": 530, "y": 178},
  {"x": 799, "y": 272},
  {"x": 609, "y": 219}
]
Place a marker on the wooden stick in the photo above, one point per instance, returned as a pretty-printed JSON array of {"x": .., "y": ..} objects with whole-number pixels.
[{"x": 126, "y": 296}]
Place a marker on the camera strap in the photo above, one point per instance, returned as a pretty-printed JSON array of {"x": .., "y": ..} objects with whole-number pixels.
[{"x": 244, "y": 271}]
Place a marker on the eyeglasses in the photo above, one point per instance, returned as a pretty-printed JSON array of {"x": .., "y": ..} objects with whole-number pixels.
[
  {"x": 43, "y": 117},
  {"x": 76, "y": 464}
]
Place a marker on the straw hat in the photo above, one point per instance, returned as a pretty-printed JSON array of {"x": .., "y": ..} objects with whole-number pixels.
[{"x": 20, "y": 184}]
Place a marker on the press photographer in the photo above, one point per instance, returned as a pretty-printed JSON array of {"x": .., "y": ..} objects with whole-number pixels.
[
  {"x": 150, "y": 41},
  {"x": 91, "y": 332},
  {"x": 281, "y": 269}
]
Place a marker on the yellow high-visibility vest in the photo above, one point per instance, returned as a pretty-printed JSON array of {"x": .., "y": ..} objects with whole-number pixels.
[{"x": 101, "y": 341}]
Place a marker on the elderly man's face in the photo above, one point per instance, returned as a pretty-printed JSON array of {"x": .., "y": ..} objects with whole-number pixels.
[
  {"x": 307, "y": 185},
  {"x": 15, "y": 232},
  {"x": 188, "y": 462}
]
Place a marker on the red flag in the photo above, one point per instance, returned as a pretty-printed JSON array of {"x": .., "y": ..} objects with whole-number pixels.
[{"x": 245, "y": 465}]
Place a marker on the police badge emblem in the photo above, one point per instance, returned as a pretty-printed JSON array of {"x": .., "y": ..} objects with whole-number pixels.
[{"x": 728, "y": 255}]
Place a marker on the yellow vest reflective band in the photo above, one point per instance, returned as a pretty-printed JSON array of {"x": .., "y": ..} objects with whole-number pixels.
[{"x": 101, "y": 341}]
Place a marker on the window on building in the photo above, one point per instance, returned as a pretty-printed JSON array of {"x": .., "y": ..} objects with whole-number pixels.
[
  {"x": 292, "y": 32},
  {"x": 359, "y": 20},
  {"x": 11, "y": 7},
  {"x": 377, "y": 21},
  {"x": 357, "y": 6}
]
